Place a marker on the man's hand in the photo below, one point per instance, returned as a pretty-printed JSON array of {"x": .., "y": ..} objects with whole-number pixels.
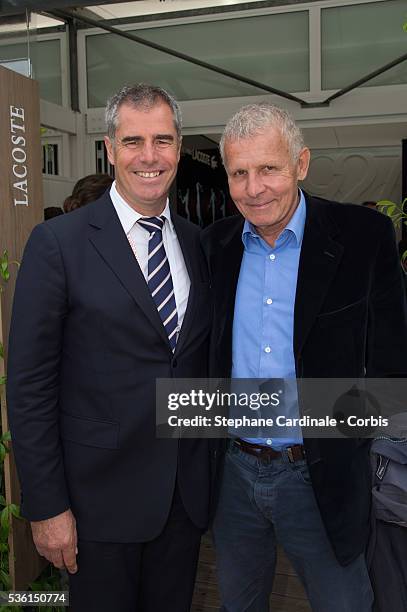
[{"x": 56, "y": 540}]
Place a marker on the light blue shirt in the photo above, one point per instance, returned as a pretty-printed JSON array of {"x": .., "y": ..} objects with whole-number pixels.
[{"x": 263, "y": 325}]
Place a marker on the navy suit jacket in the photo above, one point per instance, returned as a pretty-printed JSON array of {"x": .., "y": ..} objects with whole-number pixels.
[{"x": 86, "y": 345}]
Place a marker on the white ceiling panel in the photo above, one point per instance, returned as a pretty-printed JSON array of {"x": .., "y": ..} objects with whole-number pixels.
[{"x": 150, "y": 7}]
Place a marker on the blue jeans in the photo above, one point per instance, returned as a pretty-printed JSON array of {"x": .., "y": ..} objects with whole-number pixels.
[{"x": 262, "y": 503}]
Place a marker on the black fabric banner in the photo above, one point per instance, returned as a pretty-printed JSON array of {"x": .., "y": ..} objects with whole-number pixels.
[{"x": 202, "y": 187}]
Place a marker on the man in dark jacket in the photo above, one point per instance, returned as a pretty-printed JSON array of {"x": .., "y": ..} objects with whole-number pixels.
[
  {"x": 108, "y": 299},
  {"x": 303, "y": 288}
]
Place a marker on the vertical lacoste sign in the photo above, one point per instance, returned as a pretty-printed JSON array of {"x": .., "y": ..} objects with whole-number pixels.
[
  {"x": 19, "y": 156},
  {"x": 21, "y": 207}
]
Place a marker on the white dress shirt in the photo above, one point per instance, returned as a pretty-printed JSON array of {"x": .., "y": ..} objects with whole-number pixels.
[{"x": 138, "y": 238}]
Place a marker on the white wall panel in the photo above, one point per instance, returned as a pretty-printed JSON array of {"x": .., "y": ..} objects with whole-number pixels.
[{"x": 355, "y": 175}]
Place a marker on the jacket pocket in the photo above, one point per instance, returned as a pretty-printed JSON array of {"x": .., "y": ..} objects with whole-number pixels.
[
  {"x": 90, "y": 432},
  {"x": 348, "y": 313}
]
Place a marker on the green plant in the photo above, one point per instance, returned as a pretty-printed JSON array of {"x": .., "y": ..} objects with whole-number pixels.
[
  {"x": 50, "y": 579},
  {"x": 6, "y": 510},
  {"x": 5, "y": 267},
  {"x": 396, "y": 212}
]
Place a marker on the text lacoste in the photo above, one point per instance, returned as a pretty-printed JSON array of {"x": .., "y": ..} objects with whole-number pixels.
[{"x": 19, "y": 156}]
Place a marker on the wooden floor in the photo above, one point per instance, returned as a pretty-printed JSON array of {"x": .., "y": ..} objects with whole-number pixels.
[{"x": 288, "y": 593}]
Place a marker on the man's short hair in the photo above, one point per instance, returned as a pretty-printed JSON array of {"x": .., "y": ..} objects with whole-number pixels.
[
  {"x": 142, "y": 96},
  {"x": 254, "y": 119}
]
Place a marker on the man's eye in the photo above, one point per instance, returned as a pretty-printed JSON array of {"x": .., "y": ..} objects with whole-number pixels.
[
  {"x": 162, "y": 142},
  {"x": 132, "y": 144},
  {"x": 269, "y": 168},
  {"x": 239, "y": 173}
]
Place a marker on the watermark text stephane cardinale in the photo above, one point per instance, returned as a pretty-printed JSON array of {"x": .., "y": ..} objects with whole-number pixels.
[{"x": 281, "y": 407}]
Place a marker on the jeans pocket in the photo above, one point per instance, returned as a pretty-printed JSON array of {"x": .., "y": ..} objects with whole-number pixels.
[{"x": 300, "y": 469}]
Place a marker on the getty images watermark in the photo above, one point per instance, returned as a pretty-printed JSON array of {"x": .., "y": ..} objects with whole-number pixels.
[{"x": 280, "y": 408}]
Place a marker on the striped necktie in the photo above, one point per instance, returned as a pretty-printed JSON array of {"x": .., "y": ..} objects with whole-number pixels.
[{"x": 159, "y": 279}]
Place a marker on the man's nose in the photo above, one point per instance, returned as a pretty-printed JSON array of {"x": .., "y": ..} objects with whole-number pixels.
[
  {"x": 254, "y": 186},
  {"x": 148, "y": 153}
]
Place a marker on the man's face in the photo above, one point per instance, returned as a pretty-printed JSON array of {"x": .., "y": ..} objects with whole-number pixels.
[
  {"x": 145, "y": 153},
  {"x": 263, "y": 180}
]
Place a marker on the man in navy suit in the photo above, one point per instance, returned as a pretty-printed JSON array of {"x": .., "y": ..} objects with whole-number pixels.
[
  {"x": 303, "y": 288},
  {"x": 109, "y": 298}
]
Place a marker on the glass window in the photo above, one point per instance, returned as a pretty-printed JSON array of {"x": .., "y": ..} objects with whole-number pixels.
[
  {"x": 273, "y": 49},
  {"x": 102, "y": 164},
  {"x": 50, "y": 159},
  {"x": 46, "y": 61},
  {"x": 359, "y": 39}
]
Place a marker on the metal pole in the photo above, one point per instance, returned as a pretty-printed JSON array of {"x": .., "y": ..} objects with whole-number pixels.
[
  {"x": 366, "y": 78},
  {"x": 193, "y": 60},
  {"x": 73, "y": 63},
  {"x": 67, "y": 15}
]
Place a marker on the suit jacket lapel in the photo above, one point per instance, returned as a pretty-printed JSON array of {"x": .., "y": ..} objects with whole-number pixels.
[
  {"x": 319, "y": 259},
  {"x": 229, "y": 261},
  {"x": 109, "y": 239}
]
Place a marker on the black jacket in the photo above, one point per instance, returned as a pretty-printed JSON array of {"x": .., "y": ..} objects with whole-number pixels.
[
  {"x": 86, "y": 346},
  {"x": 349, "y": 321}
]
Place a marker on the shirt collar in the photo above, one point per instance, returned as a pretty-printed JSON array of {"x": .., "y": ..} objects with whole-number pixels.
[
  {"x": 127, "y": 215},
  {"x": 295, "y": 225}
]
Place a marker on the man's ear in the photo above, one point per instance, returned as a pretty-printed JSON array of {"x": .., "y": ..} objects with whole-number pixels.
[
  {"x": 110, "y": 149},
  {"x": 303, "y": 163}
]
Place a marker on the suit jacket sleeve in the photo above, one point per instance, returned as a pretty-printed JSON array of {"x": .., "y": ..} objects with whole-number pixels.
[
  {"x": 35, "y": 347},
  {"x": 387, "y": 329}
]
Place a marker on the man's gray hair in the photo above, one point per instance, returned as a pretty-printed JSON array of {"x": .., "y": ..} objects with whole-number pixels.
[
  {"x": 254, "y": 119},
  {"x": 142, "y": 96}
]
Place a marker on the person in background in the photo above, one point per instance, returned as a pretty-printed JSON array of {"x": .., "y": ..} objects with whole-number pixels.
[
  {"x": 87, "y": 189},
  {"x": 52, "y": 211},
  {"x": 370, "y": 204}
]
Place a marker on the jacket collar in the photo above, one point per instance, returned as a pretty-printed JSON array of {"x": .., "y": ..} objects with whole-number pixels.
[
  {"x": 109, "y": 239},
  {"x": 321, "y": 253}
]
